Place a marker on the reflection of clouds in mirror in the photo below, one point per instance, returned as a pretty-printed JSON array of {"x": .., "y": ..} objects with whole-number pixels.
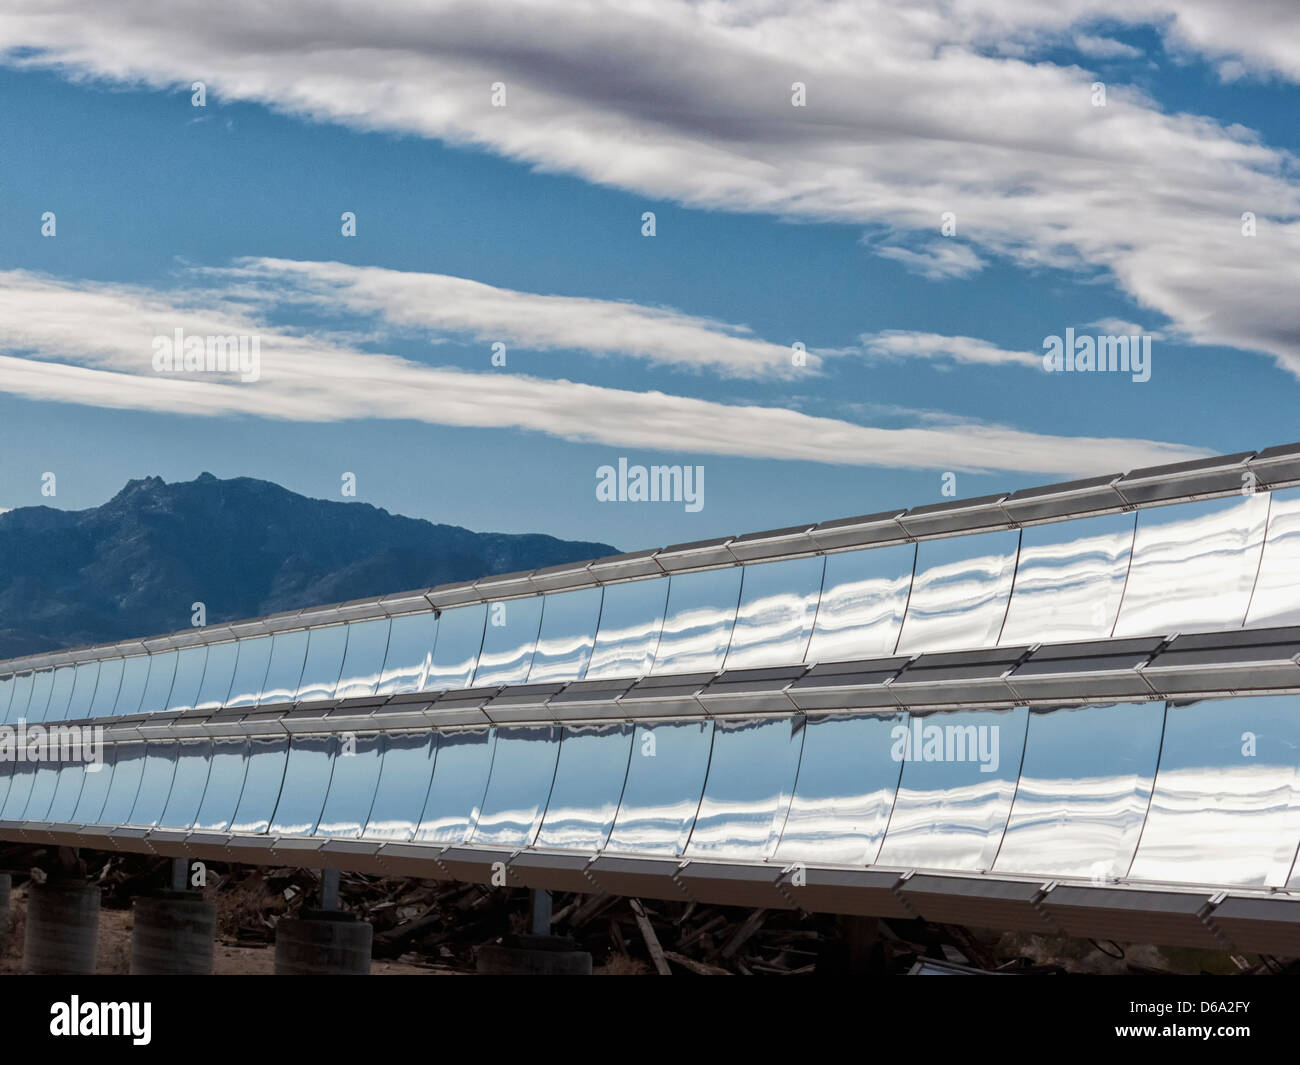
[
  {"x": 698, "y": 621},
  {"x": 404, "y": 779},
  {"x": 519, "y": 783},
  {"x": 631, "y": 618},
  {"x": 588, "y": 785},
  {"x": 1274, "y": 600},
  {"x": 778, "y": 603},
  {"x": 507, "y": 653},
  {"x": 960, "y": 592},
  {"x": 460, "y": 777},
  {"x": 352, "y": 787},
  {"x": 662, "y": 794},
  {"x": 567, "y": 634},
  {"x": 860, "y": 610}
]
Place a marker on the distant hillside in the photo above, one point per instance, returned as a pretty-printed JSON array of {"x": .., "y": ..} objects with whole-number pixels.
[{"x": 133, "y": 566}]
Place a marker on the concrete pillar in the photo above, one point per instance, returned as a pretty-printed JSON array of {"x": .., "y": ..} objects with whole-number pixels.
[
  {"x": 532, "y": 955},
  {"x": 173, "y": 935},
  {"x": 62, "y": 927},
  {"x": 322, "y": 943}
]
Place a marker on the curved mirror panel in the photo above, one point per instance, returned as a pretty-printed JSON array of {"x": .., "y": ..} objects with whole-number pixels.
[
  {"x": 363, "y": 662},
  {"x": 135, "y": 678},
  {"x": 845, "y": 790},
  {"x": 158, "y": 688},
  {"x": 155, "y": 783},
  {"x": 864, "y": 596},
  {"x": 698, "y": 620},
  {"x": 1194, "y": 565},
  {"x": 352, "y": 788},
  {"x": 6, "y": 696},
  {"x": 1084, "y": 789},
  {"x": 128, "y": 768},
  {"x": 22, "y": 696},
  {"x": 1226, "y": 804},
  {"x": 218, "y": 675},
  {"x": 960, "y": 592},
  {"x": 61, "y": 693},
  {"x": 665, "y": 779},
  {"x": 588, "y": 785},
  {"x": 42, "y": 685},
  {"x": 778, "y": 602},
  {"x": 1274, "y": 601},
  {"x": 455, "y": 654},
  {"x": 193, "y": 767},
  {"x": 410, "y": 654},
  {"x": 72, "y": 778},
  {"x": 959, "y": 775},
  {"x": 285, "y": 669},
  {"x": 568, "y": 631},
  {"x": 523, "y": 769},
  {"x": 190, "y": 664},
  {"x": 107, "y": 687},
  {"x": 21, "y": 778},
  {"x": 747, "y": 794},
  {"x": 306, "y": 781},
  {"x": 43, "y": 785},
  {"x": 250, "y": 671},
  {"x": 226, "y": 768},
  {"x": 94, "y": 789},
  {"x": 262, "y": 781},
  {"x": 1069, "y": 580},
  {"x": 459, "y": 781},
  {"x": 324, "y": 663},
  {"x": 6, "y": 775},
  {"x": 631, "y": 618},
  {"x": 509, "y": 641},
  {"x": 83, "y": 692},
  {"x": 403, "y": 786}
]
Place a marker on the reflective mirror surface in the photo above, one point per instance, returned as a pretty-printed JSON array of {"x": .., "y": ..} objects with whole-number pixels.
[
  {"x": 250, "y": 671},
  {"x": 306, "y": 780},
  {"x": 135, "y": 678},
  {"x": 1227, "y": 798},
  {"x": 509, "y": 641},
  {"x": 21, "y": 777},
  {"x": 324, "y": 663},
  {"x": 83, "y": 692},
  {"x": 960, "y": 592},
  {"x": 665, "y": 779},
  {"x": 631, "y": 617},
  {"x": 747, "y": 794},
  {"x": 190, "y": 664},
  {"x": 42, "y": 685},
  {"x": 352, "y": 788},
  {"x": 193, "y": 766},
  {"x": 460, "y": 778},
  {"x": 567, "y": 634},
  {"x": 523, "y": 769},
  {"x": 588, "y": 785},
  {"x": 1194, "y": 565},
  {"x": 128, "y": 767},
  {"x": 265, "y": 774},
  {"x": 155, "y": 783},
  {"x": 158, "y": 687},
  {"x": 72, "y": 778},
  {"x": 959, "y": 775},
  {"x": 107, "y": 687},
  {"x": 218, "y": 675},
  {"x": 42, "y": 793},
  {"x": 455, "y": 655},
  {"x": 1275, "y": 600},
  {"x": 22, "y": 695},
  {"x": 864, "y": 595},
  {"x": 845, "y": 790},
  {"x": 227, "y": 765},
  {"x": 1069, "y": 580},
  {"x": 60, "y": 693},
  {"x": 404, "y": 780},
  {"x": 1084, "y": 791},
  {"x": 94, "y": 789},
  {"x": 363, "y": 662},
  {"x": 409, "y": 655},
  {"x": 284, "y": 672},
  {"x": 778, "y": 602},
  {"x": 700, "y": 615}
]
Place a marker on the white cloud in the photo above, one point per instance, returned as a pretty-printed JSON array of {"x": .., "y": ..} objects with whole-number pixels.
[
  {"x": 940, "y": 260},
  {"x": 914, "y": 108},
  {"x": 1105, "y": 47},
  {"x": 902, "y": 343},
  {"x": 94, "y": 342}
]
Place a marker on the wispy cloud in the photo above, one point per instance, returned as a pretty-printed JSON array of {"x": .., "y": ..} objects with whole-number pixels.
[
  {"x": 902, "y": 343},
  {"x": 91, "y": 343}
]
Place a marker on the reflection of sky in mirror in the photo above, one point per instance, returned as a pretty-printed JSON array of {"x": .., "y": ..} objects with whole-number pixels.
[
  {"x": 250, "y": 671},
  {"x": 352, "y": 788},
  {"x": 323, "y": 664},
  {"x": 588, "y": 785},
  {"x": 193, "y": 765},
  {"x": 229, "y": 764},
  {"x": 1084, "y": 790},
  {"x": 1219, "y": 813},
  {"x": 665, "y": 778},
  {"x": 460, "y": 778},
  {"x": 363, "y": 661},
  {"x": 455, "y": 653},
  {"x": 1069, "y": 580},
  {"x": 218, "y": 675},
  {"x": 845, "y": 790},
  {"x": 778, "y": 602},
  {"x": 631, "y": 617},
  {"x": 262, "y": 783},
  {"x": 568, "y": 631},
  {"x": 509, "y": 641},
  {"x": 409, "y": 654},
  {"x": 751, "y": 776},
  {"x": 950, "y": 813},
  {"x": 403, "y": 785},
  {"x": 698, "y": 621},
  {"x": 959, "y": 594},
  {"x": 1275, "y": 600},
  {"x": 1194, "y": 565},
  {"x": 864, "y": 594},
  {"x": 306, "y": 780},
  {"x": 523, "y": 769}
]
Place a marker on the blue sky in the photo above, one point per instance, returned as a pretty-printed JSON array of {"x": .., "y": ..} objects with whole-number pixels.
[{"x": 774, "y": 224}]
